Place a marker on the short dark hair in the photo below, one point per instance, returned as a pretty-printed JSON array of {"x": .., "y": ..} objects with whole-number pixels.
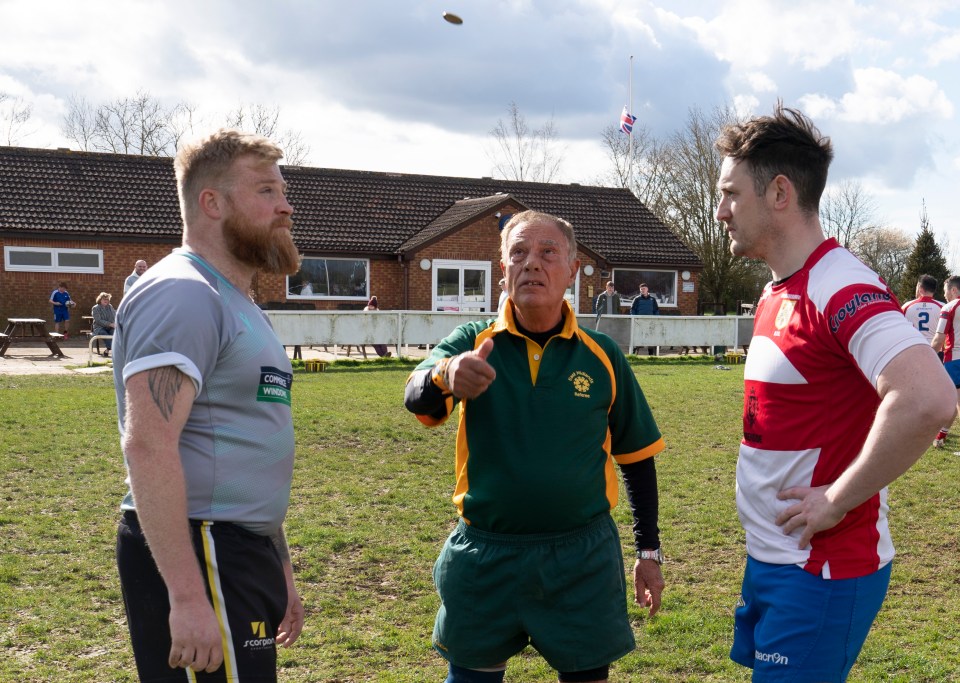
[
  {"x": 953, "y": 282},
  {"x": 610, "y": 284},
  {"x": 928, "y": 283},
  {"x": 786, "y": 143}
]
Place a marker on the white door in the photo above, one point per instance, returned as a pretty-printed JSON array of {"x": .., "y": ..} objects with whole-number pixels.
[{"x": 461, "y": 285}]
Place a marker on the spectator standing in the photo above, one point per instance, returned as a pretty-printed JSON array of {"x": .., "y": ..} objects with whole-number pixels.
[
  {"x": 381, "y": 349},
  {"x": 104, "y": 320},
  {"x": 841, "y": 397},
  {"x": 608, "y": 301},
  {"x": 503, "y": 295},
  {"x": 204, "y": 400},
  {"x": 536, "y": 557},
  {"x": 645, "y": 304},
  {"x": 139, "y": 268},
  {"x": 62, "y": 303}
]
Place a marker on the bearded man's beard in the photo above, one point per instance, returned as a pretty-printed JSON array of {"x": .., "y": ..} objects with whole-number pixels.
[{"x": 271, "y": 250}]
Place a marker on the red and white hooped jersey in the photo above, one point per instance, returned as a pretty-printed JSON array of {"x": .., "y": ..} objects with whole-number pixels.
[
  {"x": 821, "y": 338},
  {"x": 948, "y": 326},
  {"x": 924, "y": 314}
]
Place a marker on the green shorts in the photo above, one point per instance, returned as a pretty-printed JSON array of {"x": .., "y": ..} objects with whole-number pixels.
[{"x": 564, "y": 593}]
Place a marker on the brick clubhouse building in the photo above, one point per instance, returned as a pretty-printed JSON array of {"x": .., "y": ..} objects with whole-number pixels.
[{"x": 417, "y": 242}]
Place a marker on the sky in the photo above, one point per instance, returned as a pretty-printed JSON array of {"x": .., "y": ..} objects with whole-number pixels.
[{"x": 388, "y": 85}]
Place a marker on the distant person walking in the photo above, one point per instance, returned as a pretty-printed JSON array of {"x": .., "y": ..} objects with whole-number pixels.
[{"x": 62, "y": 303}]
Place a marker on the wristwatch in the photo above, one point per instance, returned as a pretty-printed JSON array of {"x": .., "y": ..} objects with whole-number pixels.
[{"x": 655, "y": 555}]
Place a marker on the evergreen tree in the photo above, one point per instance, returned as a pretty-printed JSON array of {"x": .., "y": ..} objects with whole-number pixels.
[{"x": 926, "y": 258}]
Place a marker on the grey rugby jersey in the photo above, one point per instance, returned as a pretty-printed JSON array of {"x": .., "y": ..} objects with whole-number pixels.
[{"x": 237, "y": 446}]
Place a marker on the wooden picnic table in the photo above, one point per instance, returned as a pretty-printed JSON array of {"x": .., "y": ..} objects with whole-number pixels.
[{"x": 26, "y": 330}]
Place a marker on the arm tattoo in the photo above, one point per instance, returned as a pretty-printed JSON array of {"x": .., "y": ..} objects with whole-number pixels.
[
  {"x": 280, "y": 543},
  {"x": 164, "y": 386}
]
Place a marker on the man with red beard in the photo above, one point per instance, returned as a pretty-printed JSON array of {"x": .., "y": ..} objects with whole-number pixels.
[{"x": 203, "y": 393}]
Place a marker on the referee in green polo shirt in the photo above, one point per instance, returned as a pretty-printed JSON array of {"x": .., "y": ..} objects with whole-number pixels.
[{"x": 547, "y": 408}]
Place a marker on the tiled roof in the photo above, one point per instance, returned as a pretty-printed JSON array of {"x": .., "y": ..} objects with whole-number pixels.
[
  {"x": 460, "y": 213},
  {"x": 336, "y": 211}
]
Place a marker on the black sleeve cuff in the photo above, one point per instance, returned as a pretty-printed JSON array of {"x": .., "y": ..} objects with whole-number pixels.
[
  {"x": 423, "y": 397},
  {"x": 640, "y": 481}
]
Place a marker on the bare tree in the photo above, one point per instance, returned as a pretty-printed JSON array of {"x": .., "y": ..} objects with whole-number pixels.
[
  {"x": 846, "y": 212},
  {"x": 887, "y": 251},
  {"x": 265, "y": 121},
  {"x": 79, "y": 124},
  {"x": 520, "y": 153},
  {"x": 643, "y": 171},
  {"x": 14, "y": 115},
  {"x": 128, "y": 125},
  {"x": 689, "y": 205}
]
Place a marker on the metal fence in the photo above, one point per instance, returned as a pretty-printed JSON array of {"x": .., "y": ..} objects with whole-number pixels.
[{"x": 416, "y": 328}]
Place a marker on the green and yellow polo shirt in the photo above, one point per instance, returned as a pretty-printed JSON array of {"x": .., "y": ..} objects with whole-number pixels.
[{"x": 535, "y": 453}]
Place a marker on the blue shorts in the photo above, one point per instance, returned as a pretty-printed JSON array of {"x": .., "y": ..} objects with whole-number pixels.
[
  {"x": 953, "y": 369},
  {"x": 793, "y": 626},
  {"x": 61, "y": 314}
]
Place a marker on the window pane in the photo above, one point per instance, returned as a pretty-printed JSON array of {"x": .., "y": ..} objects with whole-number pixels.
[
  {"x": 347, "y": 278},
  {"x": 662, "y": 284},
  {"x": 78, "y": 259},
  {"x": 474, "y": 285},
  {"x": 321, "y": 277},
  {"x": 448, "y": 283},
  {"x": 30, "y": 258}
]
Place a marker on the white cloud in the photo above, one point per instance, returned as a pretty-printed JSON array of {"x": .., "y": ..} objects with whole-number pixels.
[
  {"x": 760, "y": 82},
  {"x": 883, "y": 97},
  {"x": 818, "y": 106},
  {"x": 944, "y": 50},
  {"x": 750, "y": 35},
  {"x": 745, "y": 105}
]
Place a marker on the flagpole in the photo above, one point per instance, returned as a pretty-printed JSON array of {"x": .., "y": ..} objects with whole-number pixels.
[{"x": 630, "y": 147}]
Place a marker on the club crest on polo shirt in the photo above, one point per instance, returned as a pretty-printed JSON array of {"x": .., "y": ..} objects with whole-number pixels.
[
  {"x": 274, "y": 385},
  {"x": 581, "y": 383}
]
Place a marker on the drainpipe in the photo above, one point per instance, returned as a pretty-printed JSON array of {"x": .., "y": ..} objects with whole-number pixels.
[{"x": 405, "y": 274}]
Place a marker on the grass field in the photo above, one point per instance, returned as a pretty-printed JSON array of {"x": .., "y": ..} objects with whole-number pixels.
[{"x": 371, "y": 507}]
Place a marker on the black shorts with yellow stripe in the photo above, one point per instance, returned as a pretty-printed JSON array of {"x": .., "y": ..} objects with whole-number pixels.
[{"x": 245, "y": 584}]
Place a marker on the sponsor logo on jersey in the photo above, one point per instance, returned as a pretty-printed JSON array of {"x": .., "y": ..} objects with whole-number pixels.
[
  {"x": 259, "y": 641},
  {"x": 274, "y": 385},
  {"x": 581, "y": 383},
  {"x": 772, "y": 657},
  {"x": 857, "y": 303}
]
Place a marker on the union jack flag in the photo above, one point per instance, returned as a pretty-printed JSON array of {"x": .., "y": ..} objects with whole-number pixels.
[{"x": 626, "y": 121}]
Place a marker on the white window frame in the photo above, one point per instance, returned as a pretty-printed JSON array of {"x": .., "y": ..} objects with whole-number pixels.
[
  {"x": 488, "y": 305},
  {"x": 626, "y": 303},
  {"x": 54, "y": 267},
  {"x": 324, "y": 297}
]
